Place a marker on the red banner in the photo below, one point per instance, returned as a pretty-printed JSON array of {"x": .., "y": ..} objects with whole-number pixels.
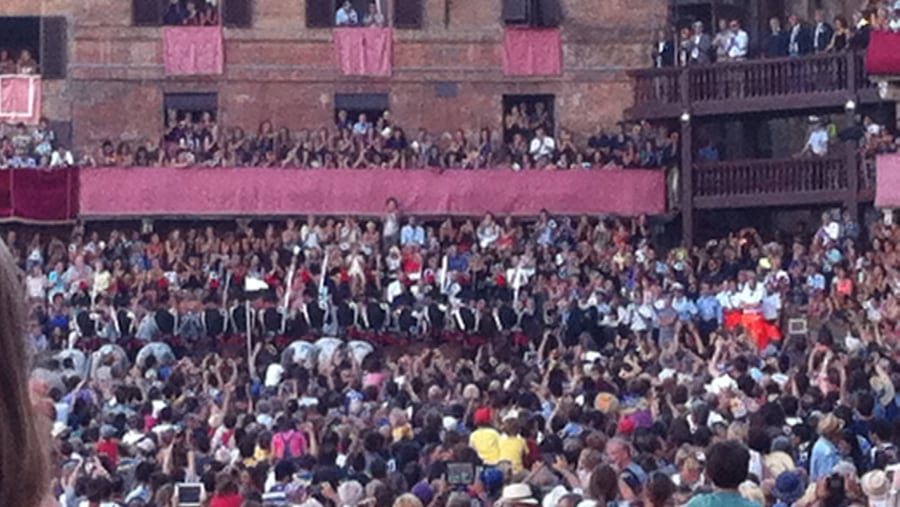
[
  {"x": 191, "y": 50},
  {"x": 887, "y": 181},
  {"x": 117, "y": 192},
  {"x": 20, "y": 99},
  {"x": 364, "y": 51},
  {"x": 37, "y": 195},
  {"x": 532, "y": 52}
]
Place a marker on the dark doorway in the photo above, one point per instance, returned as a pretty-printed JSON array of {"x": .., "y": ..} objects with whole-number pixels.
[
  {"x": 19, "y": 34},
  {"x": 533, "y": 110},
  {"x": 373, "y": 105}
]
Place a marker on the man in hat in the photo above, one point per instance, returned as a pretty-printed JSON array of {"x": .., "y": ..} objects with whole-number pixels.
[
  {"x": 517, "y": 494},
  {"x": 825, "y": 454}
]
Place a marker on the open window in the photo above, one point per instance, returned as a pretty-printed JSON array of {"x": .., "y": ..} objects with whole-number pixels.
[
  {"x": 20, "y": 43},
  {"x": 331, "y": 13},
  {"x": 349, "y": 106},
  {"x": 188, "y": 109},
  {"x": 408, "y": 14},
  {"x": 523, "y": 114},
  {"x": 542, "y": 13},
  {"x": 232, "y": 13}
]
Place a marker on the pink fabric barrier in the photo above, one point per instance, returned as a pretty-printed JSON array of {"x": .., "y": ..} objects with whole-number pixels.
[
  {"x": 532, "y": 52},
  {"x": 364, "y": 51},
  {"x": 887, "y": 181},
  {"x": 108, "y": 192},
  {"x": 190, "y": 50},
  {"x": 883, "y": 53},
  {"x": 37, "y": 195},
  {"x": 20, "y": 99}
]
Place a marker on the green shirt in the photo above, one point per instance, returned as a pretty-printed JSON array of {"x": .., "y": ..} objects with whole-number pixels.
[{"x": 721, "y": 499}]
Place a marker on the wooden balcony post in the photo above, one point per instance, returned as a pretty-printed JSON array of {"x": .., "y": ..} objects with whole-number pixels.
[
  {"x": 684, "y": 86},
  {"x": 852, "y": 166},
  {"x": 687, "y": 184},
  {"x": 851, "y": 73}
]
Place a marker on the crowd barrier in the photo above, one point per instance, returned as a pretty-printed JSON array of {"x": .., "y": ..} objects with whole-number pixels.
[{"x": 30, "y": 195}]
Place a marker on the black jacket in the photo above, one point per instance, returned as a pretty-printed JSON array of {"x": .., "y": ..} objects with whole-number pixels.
[
  {"x": 823, "y": 38},
  {"x": 777, "y": 44}
]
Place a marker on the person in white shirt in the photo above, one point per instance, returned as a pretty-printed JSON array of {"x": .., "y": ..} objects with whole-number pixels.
[
  {"x": 542, "y": 146},
  {"x": 739, "y": 42},
  {"x": 817, "y": 142},
  {"x": 61, "y": 157},
  {"x": 346, "y": 15}
]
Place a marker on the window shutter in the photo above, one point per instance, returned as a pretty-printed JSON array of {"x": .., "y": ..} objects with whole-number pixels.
[
  {"x": 54, "y": 45},
  {"x": 238, "y": 13},
  {"x": 146, "y": 12},
  {"x": 320, "y": 13},
  {"x": 408, "y": 13}
]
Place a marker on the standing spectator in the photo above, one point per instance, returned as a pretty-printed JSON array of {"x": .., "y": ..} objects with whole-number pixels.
[
  {"x": 663, "y": 49},
  {"x": 26, "y": 63},
  {"x": 61, "y": 157},
  {"x": 800, "y": 39},
  {"x": 412, "y": 233},
  {"x": 374, "y": 17},
  {"x": 841, "y": 37},
  {"x": 738, "y": 43},
  {"x": 722, "y": 41},
  {"x": 860, "y": 39},
  {"x": 685, "y": 40},
  {"x": 726, "y": 466},
  {"x": 7, "y": 63},
  {"x": 175, "y": 13},
  {"x": 362, "y": 127},
  {"x": 825, "y": 453},
  {"x": 822, "y": 33},
  {"x": 346, "y": 15},
  {"x": 777, "y": 41},
  {"x": 700, "y": 45},
  {"x": 817, "y": 142}
]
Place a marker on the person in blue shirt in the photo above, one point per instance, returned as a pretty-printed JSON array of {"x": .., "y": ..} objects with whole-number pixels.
[
  {"x": 682, "y": 304},
  {"x": 709, "y": 312},
  {"x": 727, "y": 465},
  {"x": 825, "y": 454},
  {"x": 412, "y": 233}
]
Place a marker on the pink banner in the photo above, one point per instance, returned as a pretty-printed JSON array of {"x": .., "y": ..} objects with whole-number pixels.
[
  {"x": 191, "y": 50},
  {"x": 887, "y": 181},
  {"x": 20, "y": 99},
  {"x": 364, "y": 51},
  {"x": 256, "y": 191},
  {"x": 883, "y": 53},
  {"x": 532, "y": 52}
]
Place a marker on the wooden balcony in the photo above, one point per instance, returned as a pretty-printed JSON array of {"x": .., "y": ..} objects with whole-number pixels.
[
  {"x": 818, "y": 81},
  {"x": 782, "y": 182}
]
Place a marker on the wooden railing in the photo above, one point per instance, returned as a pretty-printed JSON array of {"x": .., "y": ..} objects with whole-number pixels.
[
  {"x": 760, "y": 178},
  {"x": 867, "y": 171},
  {"x": 840, "y": 74}
]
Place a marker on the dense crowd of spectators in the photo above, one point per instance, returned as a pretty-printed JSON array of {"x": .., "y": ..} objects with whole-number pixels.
[
  {"x": 23, "y": 147},
  {"x": 468, "y": 362},
  {"x": 21, "y": 63},
  {"x": 364, "y": 142}
]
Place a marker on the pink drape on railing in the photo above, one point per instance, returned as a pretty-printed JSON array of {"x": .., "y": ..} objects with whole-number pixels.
[
  {"x": 20, "y": 99},
  {"x": 258, "y": 191},
  {"x": 364, "y": 51},
  {"x": 532, "y": 51},
  {"x": 883, "y": 53},
  {"x": 39, "y": 195},
  {"x": 191, "y": 50},
  {"x": 887, "y": 181}
]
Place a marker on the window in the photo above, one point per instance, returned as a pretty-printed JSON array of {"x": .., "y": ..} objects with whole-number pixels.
[
  {"x": 324, "y": 13},
  {"x": 189, "y": 107},
  {"x": 523, "y": 114},
  {"x": 408, "y": 13},
  {"x": 233, "y": 13},
  {"x": 54, "y": 47},
  {"x": 545, "y": 13},
  {"x": 20, "y": 42},
  {"x": 373, "y": 105}
]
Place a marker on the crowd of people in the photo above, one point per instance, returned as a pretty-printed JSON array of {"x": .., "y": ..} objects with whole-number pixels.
[
  {"x": 22, "y": 147},
  {"x": 694, "y": 45},
  {"x": 21, "y": 63},
  {"x": 561, "y": 361},
  {"x": 196, "y": 139}
]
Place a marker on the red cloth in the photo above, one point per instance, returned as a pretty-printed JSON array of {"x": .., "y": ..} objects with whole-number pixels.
[
  {"x": 111, "y": 449},
  {"x": 20, "y": 99},
  {"x": 39, "y": 195},
  {"x": 193, "y": 50},
  {"x": 262, "y": 191},
  {"x": 482, "y": 416},
  {"x": 532, "y": 52},
  {"x": 887, "y": 181},
  {"x": 235, "y": 500},
  {"x": 364, "y": 51},
  {"x": 883, "y": 53},
  {"x": 732, "y": 318}
]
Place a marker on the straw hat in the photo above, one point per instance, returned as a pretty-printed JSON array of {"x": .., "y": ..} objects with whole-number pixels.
[
  {"x": 876, "y": 487},
  {"x": 778, "y": 462},
  {"x": 517, "y": 493},
  {"x": 830, "y": 424}
]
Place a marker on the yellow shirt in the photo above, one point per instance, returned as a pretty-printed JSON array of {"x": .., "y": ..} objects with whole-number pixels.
[
  {"x": 401, "y": 432},
  {"x": 486, "y": 442},
  {"x": 513, "y": 449}
]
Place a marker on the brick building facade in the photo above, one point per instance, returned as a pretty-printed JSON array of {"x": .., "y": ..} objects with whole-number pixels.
[{"x": 280, "y": 70}]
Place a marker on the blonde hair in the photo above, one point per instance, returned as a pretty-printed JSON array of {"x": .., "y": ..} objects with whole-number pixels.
[
  {"x": 407, "y": 500},
  {"x": 22, "y": 457}
]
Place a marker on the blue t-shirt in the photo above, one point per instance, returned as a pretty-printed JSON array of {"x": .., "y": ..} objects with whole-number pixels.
[{"x": 721, "y": 499}]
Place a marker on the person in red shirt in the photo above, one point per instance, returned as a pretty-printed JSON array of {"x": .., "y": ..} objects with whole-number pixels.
[
  {"x": 227, "y": 492},
  {"x": 108, "y": 445}
]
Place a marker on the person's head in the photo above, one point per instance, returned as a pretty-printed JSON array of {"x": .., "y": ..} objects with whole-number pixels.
[
  {"x": 727, "y": 464},
  {"x": 819, "y": 16},
  {"x": 775, "y": 24},
  {"x": 660, "y": 489},
  {"x": 793, "y": 20},
  {"x": 22, "y": 461},
  {"x": 373, "y": 9},
  {"x": 734, "y": 25},
  {"x": 619, "y": 452}
]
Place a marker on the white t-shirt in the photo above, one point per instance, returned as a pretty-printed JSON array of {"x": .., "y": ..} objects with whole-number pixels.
[
  {"x": 818, "y": 142},
  {"x": 35, "y": 286},
  {"x": 542, "y": 146},
  {"x": 274, "y": 374}
]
